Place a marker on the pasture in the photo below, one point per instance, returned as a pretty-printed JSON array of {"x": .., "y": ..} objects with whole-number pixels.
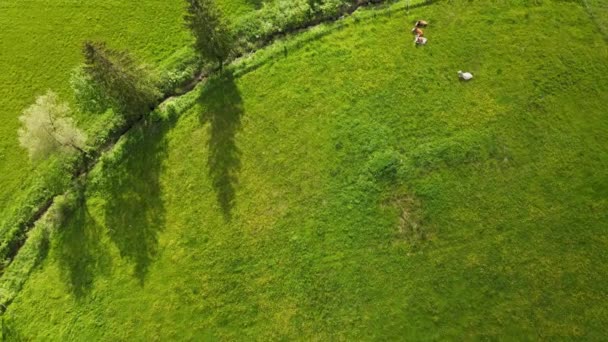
[{"x": 343, "y": 184}]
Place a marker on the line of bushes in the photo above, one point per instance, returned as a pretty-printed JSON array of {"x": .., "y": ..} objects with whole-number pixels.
[{"x": 285, "y": 16}]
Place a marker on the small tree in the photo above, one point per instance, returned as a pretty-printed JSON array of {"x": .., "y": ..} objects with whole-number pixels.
[
  {"x": 213, "y": 38},
  {"x": 89, "y": 96},
  {"x": 128, "y": 87},
  {"x": 48, "y": 128}
]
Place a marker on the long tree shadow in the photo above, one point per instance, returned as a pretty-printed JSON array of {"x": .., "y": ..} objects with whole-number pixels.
[
  {"x": 134, "y": 210},
  {"x": 222, "y": 109},
  {"x": 81, "y": 255}
]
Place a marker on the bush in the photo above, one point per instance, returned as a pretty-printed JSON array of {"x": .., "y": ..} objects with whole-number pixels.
[
  {"x": 283, "y": 16},
  {"x": 179, "y": 69},
  {"x": 88, "y": 95},
  {"x": 332, "y": 7}
]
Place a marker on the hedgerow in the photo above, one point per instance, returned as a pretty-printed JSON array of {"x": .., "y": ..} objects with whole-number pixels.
[{"x": 283, "y": 16}]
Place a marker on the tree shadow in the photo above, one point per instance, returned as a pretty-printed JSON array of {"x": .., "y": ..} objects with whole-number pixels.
[
  {"x": 223, "y": 109},
  {"x": 9, "y": 331},
  {"x": 81, "y": 255},
  {"x": 134, "y": 210}
]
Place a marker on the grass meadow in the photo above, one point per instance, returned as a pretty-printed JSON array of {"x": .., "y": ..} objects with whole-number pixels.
[
  {"x": 40, "y": 44},
  {"x": 343, "y": 184}
]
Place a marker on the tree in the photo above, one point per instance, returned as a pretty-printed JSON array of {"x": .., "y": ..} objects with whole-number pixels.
[
  {"x": 48, "y": 128},
  {"x": 89, "y": 96},
  {"x": 127, "y": 87},
  {"x": 213, "y": 38}
]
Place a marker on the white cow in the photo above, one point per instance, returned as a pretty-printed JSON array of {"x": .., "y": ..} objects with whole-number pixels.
[
  {"x": 419, "y": 40},
  {"x": 465, "y": 75}
]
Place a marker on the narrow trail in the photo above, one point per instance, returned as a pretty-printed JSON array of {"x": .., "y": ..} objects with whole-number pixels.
[{"x": 88, "y": 165}]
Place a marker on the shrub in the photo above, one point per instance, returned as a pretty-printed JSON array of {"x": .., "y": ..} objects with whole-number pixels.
[
  {"x": 89, "y": 96},
  {"x": 332, "y": 7},
  {"x": 172, "y": 79},
  {"x": 282, "y": 16}
]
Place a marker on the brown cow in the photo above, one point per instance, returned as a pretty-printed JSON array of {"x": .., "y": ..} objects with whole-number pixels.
[{"x": 418, "y": 32}]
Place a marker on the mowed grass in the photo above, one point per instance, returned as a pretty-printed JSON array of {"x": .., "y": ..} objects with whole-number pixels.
[
  {"x": 40, "y": 44},
  {"x": 350, "y": 187}
]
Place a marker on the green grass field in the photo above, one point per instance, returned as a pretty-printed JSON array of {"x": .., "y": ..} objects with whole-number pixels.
[
  {"x": 40, "y": 44},
  {"x": 344, "y": 184},
  {"x": 598, "y": 10}
]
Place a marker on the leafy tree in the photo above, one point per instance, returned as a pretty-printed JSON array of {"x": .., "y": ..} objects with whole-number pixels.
[
  {"x": 48, "y": 128},
  {"x": 213, "y": 37},
  {"x": 90, "y": 98},
  {"x": 112, "y": 76}
]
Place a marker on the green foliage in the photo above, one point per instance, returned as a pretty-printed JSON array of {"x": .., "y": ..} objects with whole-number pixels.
[
  {"x": 272, "y": 18},
  {"x": 181, "y": 68},
  {"x": 53, "y": 176},
  {"x": 125, "y": 86},
  {"x": 90, "y": 96},
  {"x": 332, "y": 7},
  {"x": 48, "y": 128},
  {"x": 283, "y": 16},
  {"x": 213, "y": 38}
]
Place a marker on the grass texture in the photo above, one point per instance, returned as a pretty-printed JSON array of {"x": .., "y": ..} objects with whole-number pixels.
[{"x": 343, "y": 184}]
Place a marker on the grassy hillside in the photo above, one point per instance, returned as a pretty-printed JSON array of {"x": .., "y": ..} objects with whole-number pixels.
[
  {"x": 41, "y": 42},
  {"x": 345, "y": 184}
]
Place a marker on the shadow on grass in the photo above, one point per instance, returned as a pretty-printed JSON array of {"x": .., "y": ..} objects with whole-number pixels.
[
  {"x": 134, "y": 211},
  {"x": 223, "y": 109},
  {"x": 81, "y": 254},
  {"x": 9, "y": 332}
]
